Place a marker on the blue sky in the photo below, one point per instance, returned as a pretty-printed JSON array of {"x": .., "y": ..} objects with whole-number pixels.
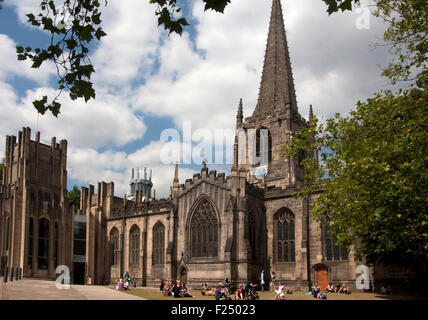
[{"x": 147, "y": 81}]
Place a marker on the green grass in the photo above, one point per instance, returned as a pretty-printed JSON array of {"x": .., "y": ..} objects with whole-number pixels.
[{"x": 154, "y": 294}]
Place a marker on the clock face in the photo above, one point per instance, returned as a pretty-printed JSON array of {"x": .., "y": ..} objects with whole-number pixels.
[{"x": 259, "y": 173}]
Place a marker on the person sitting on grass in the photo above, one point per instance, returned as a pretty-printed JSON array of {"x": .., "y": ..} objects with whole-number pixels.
[
  {"x": 252, "y": 292},
  {"x": 120, "y": 285},
  {"x": 239, "y": 293},
  {"x": 126, "y": 285},
  {"x": 176, "y": 289},
  {"x": 315, "y": 290},
  {"x": 279, "y": 292},
  {"x": 167, "y": 289},
  {"x": 211, "y": 292},
  {"x": 344, "y": 289},
  {"x": 337, "y": 288},
  {"x": 204, "y": 288},
  {"x": 330, "y": 287},
  {"x": 222, "y": 293},
  {"x": 219, "y": 294},
  {"x": 185, "y": 292},
  {"x": 162, "y": 286}
]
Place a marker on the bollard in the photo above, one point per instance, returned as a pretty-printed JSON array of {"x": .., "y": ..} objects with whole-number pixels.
[
  {"x": 16, "y": 274},
  {"x": 11, "y": 274},
  {"x": 20, "y": 271},
  {"x": 5, "y": 275}
]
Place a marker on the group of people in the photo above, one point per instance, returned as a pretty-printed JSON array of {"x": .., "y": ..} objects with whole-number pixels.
[
  {"x": 124, "y": 282},
  {"x": 226, "y": 291},
  {"x": 339, "y": 288},
  {"x": 176, "y": 290}
]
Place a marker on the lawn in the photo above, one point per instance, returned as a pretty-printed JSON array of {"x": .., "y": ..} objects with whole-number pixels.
[{"x": 154, "y": 294}]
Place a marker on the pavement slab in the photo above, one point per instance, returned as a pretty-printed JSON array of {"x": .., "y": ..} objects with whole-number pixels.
[{"x": 32, "y": 289}]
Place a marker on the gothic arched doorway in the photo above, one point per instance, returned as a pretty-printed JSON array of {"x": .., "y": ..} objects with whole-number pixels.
[{"x": 183, "y": 275}]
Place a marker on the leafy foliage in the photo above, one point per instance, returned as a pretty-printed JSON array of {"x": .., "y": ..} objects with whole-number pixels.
[
  {"x": 74, "y": 197},
  {"x": 167, "y": 9},
  {"x": 73, "y": 27},
  {"x": 372, "y": 170},
  {"x": 372, "y": 164},
  {"x": 336, "y": 5},
  {"x": 407, "y": 36}
]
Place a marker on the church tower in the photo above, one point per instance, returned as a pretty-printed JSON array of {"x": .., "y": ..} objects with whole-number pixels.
[{"x": 275, "y": 118}]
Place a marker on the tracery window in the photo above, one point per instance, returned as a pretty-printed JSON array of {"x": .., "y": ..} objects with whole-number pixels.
[
  {"x": 333, "y": 252},
  {"x": 158, "y": 244},
  {"x": 284, "y": 236},
  {"x": 264, "y": 145},
  {"x": 56, "y": 243},
  {"x": 204, "y": 231},
  {"x": 115, "y": 246},
  {"x": 252, "y": 236},
  {"x": 134, "y": 246}
]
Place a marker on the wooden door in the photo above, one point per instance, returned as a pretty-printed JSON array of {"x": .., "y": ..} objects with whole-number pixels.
[{"x": 322, "y": 278}]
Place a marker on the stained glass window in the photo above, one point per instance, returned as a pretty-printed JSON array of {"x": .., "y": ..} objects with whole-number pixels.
[
  {"x": 134, "y": 246},
  {"x": 333, "y": 252},
  {"x": 158, "y": 244},
  {"x": 115, "y": 247},
  {"x": 204, "y": 231},
  {"x": 284, "y": 236}
]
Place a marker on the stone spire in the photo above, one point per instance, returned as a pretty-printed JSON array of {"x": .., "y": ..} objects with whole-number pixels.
[
  {"x": 240, "y": 115},
  {"x": 276, "y": 88},
  {"x": 176, "y": 173},
  {"x": 311, "y": 113}
]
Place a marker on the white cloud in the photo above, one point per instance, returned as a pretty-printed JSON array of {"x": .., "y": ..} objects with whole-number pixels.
[
  {"x": 98, "y": 123},
  {"x": 10, "y": 66},
  {"x": 332, "y": 64},
  {"x": 88, "y": 166}
]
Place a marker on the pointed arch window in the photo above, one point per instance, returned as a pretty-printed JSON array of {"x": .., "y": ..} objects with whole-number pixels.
[
  {"x": 134, "y": 246},
  {"x": 43, "y": 244},
  {"x": 30, "y": 243},
  {"x": 204, "y": 231},
  {"x": 264, "y": 145},
  {"x": 252, "y": 236},
  {"x": 158, "y": 244},
  {"x": 115, "y": 247},
  {"x": 56, "y": 243},
  {"x": 284, "y": 236},
  {"x": 333, "y": 252}
]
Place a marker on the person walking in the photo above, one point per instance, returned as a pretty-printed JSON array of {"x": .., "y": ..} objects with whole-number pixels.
[
  {"x": 262, "y": 280},
  {"x": 272, "y": 283}
]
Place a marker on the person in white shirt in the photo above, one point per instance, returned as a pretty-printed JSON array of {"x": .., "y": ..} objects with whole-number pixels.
[{"x": 279, "y": 293}]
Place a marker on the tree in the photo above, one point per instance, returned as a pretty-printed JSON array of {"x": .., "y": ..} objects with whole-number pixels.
[
  {"x": 74, "y": 197},
  {"x": 372, "y": 164},
  {"x": 372, "y": 171}
]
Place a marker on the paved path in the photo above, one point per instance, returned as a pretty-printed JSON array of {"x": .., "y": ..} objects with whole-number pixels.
[{"x": 31, "y": 289}]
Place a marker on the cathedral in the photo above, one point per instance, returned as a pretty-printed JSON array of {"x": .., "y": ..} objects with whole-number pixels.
[{"x": 211, "y": 227}]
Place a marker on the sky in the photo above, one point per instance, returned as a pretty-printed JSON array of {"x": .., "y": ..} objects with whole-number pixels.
[{"x": 148, "y": 82}]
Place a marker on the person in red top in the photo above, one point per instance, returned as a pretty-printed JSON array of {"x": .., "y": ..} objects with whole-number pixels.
[{"x": 239, "y": 293}]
